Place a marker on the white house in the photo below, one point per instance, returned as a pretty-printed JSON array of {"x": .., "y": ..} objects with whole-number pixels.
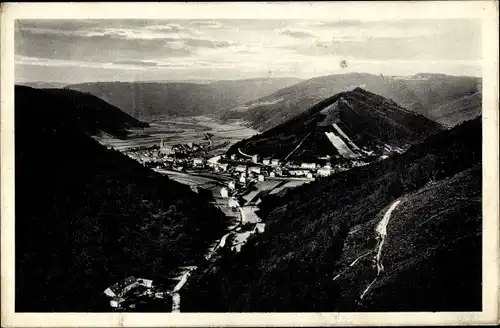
[
  {"x": 260, "y": 227},
  {"x": 214, "y": 160},
  {"x": 198, "y": 161},
  {"x": 266, "y": 161},
  {"x": 275, "y": 162},
  {"x": 118, "y": 290},
  {"x": 325, "y": 171},
  {"x": 255, "y": 158},
  {"x": 309, "y": 175},
  {"x": 222, "y": 167},
  {"x": 116, "y": 302},
  {"x": 233, "y": 202},
  {"x": 243, "y": 179},
  {"x": 255, "y": 169},
  {"x": 240, "y": 168},
  {"x": 298, "y": 172},
  {"x": 224, "y": 192},
  {"x": 167, "y": 150},
  {"x": 260, "y": 177},
  {"x": 145, "y": 282},
  {"x": 272, "y": 174},
  {"x": 233, "y": 157},
  {"x": 231, "y": 185}
]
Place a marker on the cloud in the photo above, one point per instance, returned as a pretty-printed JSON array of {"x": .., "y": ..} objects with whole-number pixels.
[
  {"x": 237, "y": 47},
  {"x": 391, "y": 49},
  {"x": 26, "y": 60},
  {"x": 296, "y": 33},
  {"x": 103, "y": 43},
  {"x": 147, "y": 63},
  {"x": 207, "y": 43},
  {"x": 206, "y": 24},
  {"x": 96, "y": 47}
]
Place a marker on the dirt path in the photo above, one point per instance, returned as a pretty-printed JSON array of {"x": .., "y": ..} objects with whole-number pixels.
[
  {"x": 298, "y": 146},
  {"x": 381, "y": 234}
]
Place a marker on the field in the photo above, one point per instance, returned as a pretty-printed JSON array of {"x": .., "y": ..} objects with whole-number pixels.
[{"x": 183, "y": 130}]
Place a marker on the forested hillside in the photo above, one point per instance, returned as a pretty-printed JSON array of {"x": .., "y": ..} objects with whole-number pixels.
[{"x": 84, "y": 112}]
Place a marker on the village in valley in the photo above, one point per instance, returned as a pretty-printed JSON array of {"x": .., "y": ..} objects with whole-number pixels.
[
  {"x": 194, "y": 158},
  {"x": 244, "y": 174},
  {"x": 236, "y": 183}
]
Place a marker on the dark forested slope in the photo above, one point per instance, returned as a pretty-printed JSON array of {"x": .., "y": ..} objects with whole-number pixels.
[
  {"x": 87, "y": 217},
  {"x": 83, "y": 111},
  {"x": 319, "y": 250}
]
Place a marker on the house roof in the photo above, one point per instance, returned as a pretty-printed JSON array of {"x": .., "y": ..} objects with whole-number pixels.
[{"x": 122, "y": 284}]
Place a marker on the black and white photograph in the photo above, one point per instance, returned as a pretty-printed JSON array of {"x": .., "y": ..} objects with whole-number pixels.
[{"x": 224, "y": 164}]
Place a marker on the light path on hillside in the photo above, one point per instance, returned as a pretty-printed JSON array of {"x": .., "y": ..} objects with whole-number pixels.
[
  {"x": 381, "y": 234},
  {"x": 242, "y": 153},
  {"x": 298, "y": 146},
  {"x": 351, "y": 265}
]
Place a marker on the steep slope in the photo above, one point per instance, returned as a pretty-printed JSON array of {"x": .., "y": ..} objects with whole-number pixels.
[
  {"x": 415, "y": 218},
  {"x": 350, "y": 125},
  {"x": 147, "y": 100},
  {"x": 422, "y": 93},
  {"x": 85, "y": 112},
  {"x": 87, "y": 217}
]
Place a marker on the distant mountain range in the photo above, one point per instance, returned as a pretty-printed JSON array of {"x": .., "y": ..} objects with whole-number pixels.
[
  {"x": 349, "y": 126},
  {"x": 457, "y": 111},
  {"x": 404, "y": 234},
  {"x": 89, "y": 114},
  {"x": 88, "y": 217},
  {"x": 149, "y": 100},
  {"x": 425, "y": 93}
]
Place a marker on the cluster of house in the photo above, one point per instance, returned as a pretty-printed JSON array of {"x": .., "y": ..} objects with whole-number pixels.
[
  {"x": 178, "y": 157},
  {"x": 180, "y": 149},
  {"x": 144, "y": 155},
  {"x": 259, "y": 169},
  {"x": 128, "y": 292},
  {"x": 244, "y": 168}
]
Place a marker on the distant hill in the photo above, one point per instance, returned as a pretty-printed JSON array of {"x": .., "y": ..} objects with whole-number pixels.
[
  {"x": 88, "y": 217},
  {"x": 148, "y": 100},
  {"x": 351, "y": 125},
  {"x": 85, "y": 112},
  {"x": 422, "y": 93},
  {"x": 319, "y": 252}
]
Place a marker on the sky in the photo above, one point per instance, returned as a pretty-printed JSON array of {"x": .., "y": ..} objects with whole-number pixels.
[{"x": 78, "y": 50}]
